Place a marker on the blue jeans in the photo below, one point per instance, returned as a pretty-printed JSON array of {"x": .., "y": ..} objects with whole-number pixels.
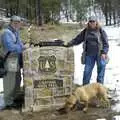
[{"x": 89, "y": 65}]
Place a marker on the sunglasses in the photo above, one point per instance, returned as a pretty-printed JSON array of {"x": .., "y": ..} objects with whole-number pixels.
[{"x": 92, "y": 21}]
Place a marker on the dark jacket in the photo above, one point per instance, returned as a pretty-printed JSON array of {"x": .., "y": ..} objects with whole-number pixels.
[{"x": 90, "y": 37}]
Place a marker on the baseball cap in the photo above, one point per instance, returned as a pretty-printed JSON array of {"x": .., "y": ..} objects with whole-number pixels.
[
  {"x": 92, "y": 18},
  {"x": 15, "y": 18}
]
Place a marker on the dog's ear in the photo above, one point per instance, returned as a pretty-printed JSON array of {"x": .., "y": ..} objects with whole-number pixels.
[
  {"x": 78, "y": 106},
  {"x": 74, "y": 108}
]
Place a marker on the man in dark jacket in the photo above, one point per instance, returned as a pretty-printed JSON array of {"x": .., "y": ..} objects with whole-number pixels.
[{"x": 95, "y": 49}]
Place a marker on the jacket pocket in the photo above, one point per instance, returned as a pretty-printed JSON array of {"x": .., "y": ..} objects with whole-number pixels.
[{"x": 12, "y": 64}]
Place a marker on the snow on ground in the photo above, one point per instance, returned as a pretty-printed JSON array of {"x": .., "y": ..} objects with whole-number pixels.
[
  {"x": 1, "y": 84},
  {"x": 112, "y": 32}
]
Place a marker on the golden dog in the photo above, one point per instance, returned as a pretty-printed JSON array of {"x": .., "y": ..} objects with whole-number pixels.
[{"x": 84, "y": 95}]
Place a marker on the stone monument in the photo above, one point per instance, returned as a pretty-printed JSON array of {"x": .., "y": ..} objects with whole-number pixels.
[{"x": 48, "y": 74}]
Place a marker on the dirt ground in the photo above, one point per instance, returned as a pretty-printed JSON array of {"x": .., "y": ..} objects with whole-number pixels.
[{"x": 93, "y": 113}]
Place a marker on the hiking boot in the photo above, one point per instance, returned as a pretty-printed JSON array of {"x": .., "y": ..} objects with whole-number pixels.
[
  {"x": 6, "y": 108},
  {"x": 10, "y": 107}
]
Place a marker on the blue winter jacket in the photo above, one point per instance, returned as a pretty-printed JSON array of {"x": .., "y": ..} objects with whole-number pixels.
[{"x": 11, "y": 40}]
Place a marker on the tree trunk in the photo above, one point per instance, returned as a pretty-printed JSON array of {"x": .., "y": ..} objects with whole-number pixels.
[
  {"x": 114, "y": 17},
  {"x": 66, "y": 15},
  {"x": 38, "y": 12},
  {"x": 17, "y": 7}
]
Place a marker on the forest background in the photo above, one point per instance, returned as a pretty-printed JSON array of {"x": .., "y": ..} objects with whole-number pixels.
[{"x": 51, "y": 11}]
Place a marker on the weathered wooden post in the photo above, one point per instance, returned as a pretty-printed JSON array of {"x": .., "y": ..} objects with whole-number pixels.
[{"x": 48, "y": 75}]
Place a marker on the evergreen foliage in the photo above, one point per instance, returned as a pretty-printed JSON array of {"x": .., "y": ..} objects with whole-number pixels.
[{"x": 48, "y": 11}]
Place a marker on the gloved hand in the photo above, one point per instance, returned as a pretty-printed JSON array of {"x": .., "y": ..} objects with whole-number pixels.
[{"x": 105, "y": 57}]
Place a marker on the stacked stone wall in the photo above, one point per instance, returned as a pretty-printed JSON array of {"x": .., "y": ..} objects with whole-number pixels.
[{"x": 48, "y": 75}]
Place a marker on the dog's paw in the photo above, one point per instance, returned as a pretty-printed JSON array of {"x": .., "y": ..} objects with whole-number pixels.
[
  {"x": 85, "y": 110},
  {"x": 105, "y": 104},
  {"x": 98, "y": 105}
]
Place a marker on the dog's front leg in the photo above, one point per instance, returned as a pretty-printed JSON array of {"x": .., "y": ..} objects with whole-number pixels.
[
  {"x": 74, "y": 108},
  {"x": 86, "y": 107}
]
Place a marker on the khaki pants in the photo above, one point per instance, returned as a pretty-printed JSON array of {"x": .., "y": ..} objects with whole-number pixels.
[
  {"x": 11, "y": 81},
  {"x": 11, "y": 84}
]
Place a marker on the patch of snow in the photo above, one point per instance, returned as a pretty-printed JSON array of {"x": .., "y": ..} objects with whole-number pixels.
[
  {"x": 1, "y": 84},
  {"x": 117, "y": 117}
]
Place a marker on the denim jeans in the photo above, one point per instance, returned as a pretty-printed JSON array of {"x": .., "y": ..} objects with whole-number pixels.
[{"x": 89, "y": 65}]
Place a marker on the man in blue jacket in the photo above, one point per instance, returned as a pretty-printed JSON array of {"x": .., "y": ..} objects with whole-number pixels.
[
  {"x": 13, "y": 46},
  {"x": 95, "y": 47}
]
